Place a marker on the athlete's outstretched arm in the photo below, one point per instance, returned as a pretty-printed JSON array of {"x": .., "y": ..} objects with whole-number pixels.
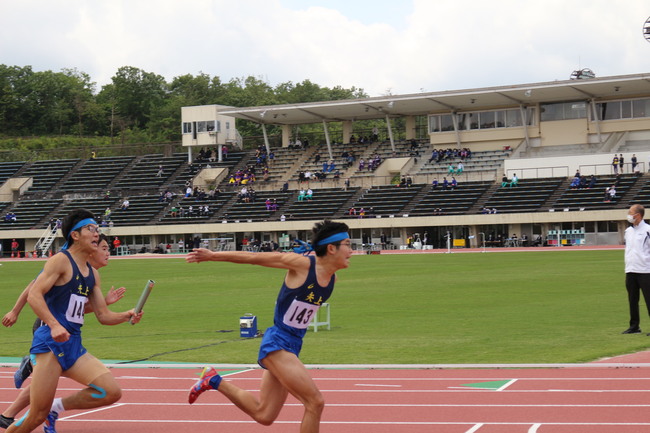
[{"x": 290, "y": 261}]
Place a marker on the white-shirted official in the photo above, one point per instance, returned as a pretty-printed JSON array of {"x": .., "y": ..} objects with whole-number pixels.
[{"x": 637, "y": 265}]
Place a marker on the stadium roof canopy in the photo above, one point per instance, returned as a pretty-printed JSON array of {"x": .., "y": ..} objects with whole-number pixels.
[{"x": 445, "y": 101}]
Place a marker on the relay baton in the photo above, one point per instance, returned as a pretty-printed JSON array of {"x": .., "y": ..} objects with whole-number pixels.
[{"x": 143, "y": 298}]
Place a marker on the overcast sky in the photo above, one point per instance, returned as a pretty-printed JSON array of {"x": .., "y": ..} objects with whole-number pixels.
[{"x": 382, "y": 46}]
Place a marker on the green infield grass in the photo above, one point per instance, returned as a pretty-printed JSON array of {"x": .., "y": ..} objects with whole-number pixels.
[{"x": 555, "y": 306}]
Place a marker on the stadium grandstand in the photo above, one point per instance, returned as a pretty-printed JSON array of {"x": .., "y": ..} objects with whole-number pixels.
[{"x": 475, "y": 166}]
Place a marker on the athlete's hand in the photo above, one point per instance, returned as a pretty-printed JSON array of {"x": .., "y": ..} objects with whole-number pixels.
[
  {"x": 59, "y": 334},
  {"x": 198, "y": 255},
  {"x": 9, "y": 319},
  {"x": 114, "y": 295},
  {"x": 135, "y": 318}
]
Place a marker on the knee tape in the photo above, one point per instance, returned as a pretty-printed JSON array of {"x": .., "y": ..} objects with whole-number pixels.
[
  {"x": 20, "y": 421},
  {"x": 102, "y": 391}
]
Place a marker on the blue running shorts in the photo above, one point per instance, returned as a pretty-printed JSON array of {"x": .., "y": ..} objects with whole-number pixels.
[
  {"x": 275, "y": 339},
  {"x": 66, "y": 353}
]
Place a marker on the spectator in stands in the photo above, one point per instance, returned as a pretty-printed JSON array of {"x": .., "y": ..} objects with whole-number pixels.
[
  {"x": 362, "y": 164},
  {"x": 301, "y": 194},
  {"x": 621, "y": 163},
  {"x": 445, "y": 184},
  {"x": 612, "y": 192},
  {"x": 14, "y": 248},
  {"x": 583, "y": 182},
  {"x": 409, "y": 181},
  {"x": 634, "y": 163},
  {"x": 615, "y": 164},
  {"x": 575, "y": 183},
  {"x": 383, "y": 240},
  {"x": 454, "y": 183},
  {"x": 485, "y": 211},
  {"x": 285, "y": 187},
  {"x": 346, "y": 184},
  {"x": 434, "y": 184},
  {"x": 494, "y": 210},
  {"x": 309, "y": 194},
  {"x": 161, "y": 171},
  {"x": 107, "y": 194},
  {"x": 181, "y": 246},
  {"x": 451, "y": 169},
  {"x": 197, "y": 242},
  {"x": 505, "y": 181},
  {"x": 460, "y": 168},
  {"x": 283, "y": 217},
  {"x": 592, "y": 181},
  {"x": 434, "y": 156},
  {"x": 514, "y": 181},
  {"x": 173, "y": 212},
  {"x": 524, "y": 240},
  {"x": 107, "y": 214},
  {"x": 352, "y": 211},
  {"x": 125, "y": 204}
]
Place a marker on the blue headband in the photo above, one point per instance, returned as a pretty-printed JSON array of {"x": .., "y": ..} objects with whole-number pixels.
[
  {"x": 334, "y": 238},
  {"x": 304, "y": 248},
  {"x": 81, "y": 224}
]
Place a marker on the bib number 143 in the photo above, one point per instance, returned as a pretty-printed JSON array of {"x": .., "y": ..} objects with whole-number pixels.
[{"x": 300, "y": 314}]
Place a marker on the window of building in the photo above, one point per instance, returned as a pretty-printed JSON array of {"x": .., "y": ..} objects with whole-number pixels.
[
  {"x": 627, "y": 109},
  {"x": 481, "y": 120},
  {"x": 209, "y": 125},
  {"x": 187, "y": 127},
  {"x": 200, "y": 126},
  {"x": 564, "y": 111}
]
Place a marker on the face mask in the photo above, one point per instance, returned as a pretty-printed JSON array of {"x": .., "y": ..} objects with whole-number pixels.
[{"x": 630, "y": 219}]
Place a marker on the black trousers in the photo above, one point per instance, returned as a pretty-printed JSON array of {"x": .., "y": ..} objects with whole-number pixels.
[{"x": 636, "y": 283}]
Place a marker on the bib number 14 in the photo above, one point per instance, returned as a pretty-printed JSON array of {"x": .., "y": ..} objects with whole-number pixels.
[{"x": 75, "y": 311}]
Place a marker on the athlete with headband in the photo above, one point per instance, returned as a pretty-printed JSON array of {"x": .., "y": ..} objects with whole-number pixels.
[
  {"x": 308, "y": 283},
  {"x": 58, "y": 297}
]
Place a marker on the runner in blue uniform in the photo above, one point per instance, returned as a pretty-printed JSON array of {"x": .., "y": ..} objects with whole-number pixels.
[
  {"x": 98, "y": 260},
  {"x": 308, "y": 283},
  {"x": 58, "y": 297}
]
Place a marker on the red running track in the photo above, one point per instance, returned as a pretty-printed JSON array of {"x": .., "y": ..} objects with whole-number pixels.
[{"x": 551, "y": 400}]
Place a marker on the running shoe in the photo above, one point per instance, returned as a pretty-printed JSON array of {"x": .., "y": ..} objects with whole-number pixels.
[
  {"x": 23, "y": 371},
  {"x": 203, "y": 384},
  {"x": 48, "y": 427},
  {"x": 5, "y": 421}
]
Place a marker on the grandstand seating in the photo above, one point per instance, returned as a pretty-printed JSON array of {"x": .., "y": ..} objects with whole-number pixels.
[
  {"x": 594, "y": 198},
  {"x": 643, "y": 195},
  {"x": 488, "y": 160},
  {"x": 528, "y": 196},
  {"x": 46, "y": 174},
  {"x": 9, "y": 169},
  {"x": 96, "y": 205},
  {"x": 451, "y": 201},
  {"x": 325, "y": 203},
  {"x": 385, "y": 200},
  {"x": 96, "y": 174},
  {"x": 186, "y": 217},
  {"x": 143, "y": 174},
  {"x": 31, "y": 213},
  {"x": 142, "y": 210},
  {"x": 255, "y": 211}
]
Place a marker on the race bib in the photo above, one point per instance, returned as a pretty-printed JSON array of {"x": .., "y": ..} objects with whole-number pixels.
[
  {"x": 76, "y": 307},
  {"x": 300, "y": 314}
]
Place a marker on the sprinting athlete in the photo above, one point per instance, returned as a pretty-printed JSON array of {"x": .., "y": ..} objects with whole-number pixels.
[
  {"x": 58, "y": 297},
  {"x": 308, "y": 283},
  {"x": 98, "y": 260}
]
